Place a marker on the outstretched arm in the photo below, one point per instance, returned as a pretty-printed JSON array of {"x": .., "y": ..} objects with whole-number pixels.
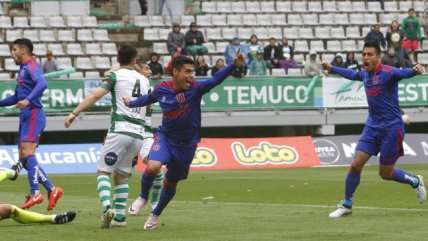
[
  {"x": 408, "y": 72},
  {"x": 140, "y": 101},
  {"x": 345, "y": 73},
  {"x": 11, "y": 100},
  {"x": 222, "y": 74},
  {"x": 85, "y": 104}
]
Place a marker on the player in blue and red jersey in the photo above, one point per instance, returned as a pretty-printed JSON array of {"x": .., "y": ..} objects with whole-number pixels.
[
  {"x": 32, "y": 121},
  {"x": 384, "y": 129},
  {"x": 177, "y": 138}
]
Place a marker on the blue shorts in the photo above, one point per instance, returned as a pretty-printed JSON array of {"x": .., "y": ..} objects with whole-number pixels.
[
  {"x": 176, "y": 158},
  {"x": 388, "y": 142},
  {"x": 32, "y": 122}
]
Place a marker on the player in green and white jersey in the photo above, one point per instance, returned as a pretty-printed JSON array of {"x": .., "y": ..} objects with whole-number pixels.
[{"x": 125, "y": 136}]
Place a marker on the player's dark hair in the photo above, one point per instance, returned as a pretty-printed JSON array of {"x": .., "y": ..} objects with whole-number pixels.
[
  {"x": 126, "y": 54},
  {"x": 181, "y": 60},
  {"x": 372, "y": 45},
  {"x": 24, "y": 43}
]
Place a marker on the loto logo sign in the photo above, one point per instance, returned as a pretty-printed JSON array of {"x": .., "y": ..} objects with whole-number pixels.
[
  {"x": 264, "y": 153},
  {"x": 204, "y": 157}
]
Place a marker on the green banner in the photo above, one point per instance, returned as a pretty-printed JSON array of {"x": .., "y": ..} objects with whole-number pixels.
[
  {"x": 414, "y": 91},
  {"x": 251, "y": 93}
]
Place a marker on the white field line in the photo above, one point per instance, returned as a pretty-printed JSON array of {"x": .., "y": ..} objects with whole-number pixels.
[{"x": 285, "y": 205}]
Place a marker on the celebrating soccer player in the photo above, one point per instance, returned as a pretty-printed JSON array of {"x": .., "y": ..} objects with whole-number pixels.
[
  {"x": 384, "y": 129},
  {"x": 24, "y": 217},
  {"x": 32, "y": 121},
  {"x": 176, "y": 139},
  {"x": 125, "y": 136}
]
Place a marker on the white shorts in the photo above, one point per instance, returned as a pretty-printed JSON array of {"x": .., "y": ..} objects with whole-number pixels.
[
  {"x": 118, "y": 152},
  {"x": 145, "y": 149}
]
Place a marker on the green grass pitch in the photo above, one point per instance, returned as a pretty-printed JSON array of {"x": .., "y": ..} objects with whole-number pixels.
[{"x": 276, "y": 204}]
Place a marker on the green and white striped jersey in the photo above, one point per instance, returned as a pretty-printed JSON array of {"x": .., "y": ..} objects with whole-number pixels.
[{"x": 127, "y": 82}]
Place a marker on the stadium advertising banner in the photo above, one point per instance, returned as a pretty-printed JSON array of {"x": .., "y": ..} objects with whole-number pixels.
[
  {"x": 338, "y": 150},
  {"x": 212, "y": 154},
  {"x": 340, "y": 92},
  {"x": 263, "y": 93}
]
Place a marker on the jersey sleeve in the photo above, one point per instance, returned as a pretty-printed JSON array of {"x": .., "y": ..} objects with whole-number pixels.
[
  {"x": 215, "y": 80},
  {"x": 109, "y": 82},
  {"x": 399, "y": 74},
  {"x": 150, "y": 98},
  {"x": 347, "y": 73},
  {"x": 39, "y": 80},
  {"x": 11, "y": 100}
]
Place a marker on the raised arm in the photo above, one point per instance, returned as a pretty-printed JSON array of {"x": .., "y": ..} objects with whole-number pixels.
[
  {"x": 140, "y": 101},
  {"x": 406, "y": 73},
  {"x": 344, "y": 72},
  {"x": 222, "y": 74}
]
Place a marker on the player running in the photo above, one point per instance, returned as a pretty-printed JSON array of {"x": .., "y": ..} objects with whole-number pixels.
[
  {"x": 32, "y": 121},
  {"x": 125, "y": 136},
  {"x": 384, "y": 129},
  {"x": 176, "y": 139},
  {"x": 24, "y": 217}
]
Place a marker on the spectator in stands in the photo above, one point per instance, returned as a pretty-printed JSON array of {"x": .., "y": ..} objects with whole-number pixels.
[
  {"x": 391, "y": 59},
  {"x": 155, "y": 66},
  {"x": 231, "y": 49},
  {"x": 407, "y": 61},
  {"x": 287, "y": 51},
  {"x": 375, "y": 36},
  {"x": 201, "y": 68},
  {"x": 313, "y": 64},
  {"x": 394, "y": 38},
  {"x": 168, "y": 7},
  {"x": 194, "y": 40},
  {"x": 412, "y": 32},
  {"x": 50, "y": 64},
  {"x": 272, "y": 54},
  {"x": 144, "y": 6},
  {"x": 176, "y": 41},
  {"x": 254, "y": 46},
  {"x": 351, "y": 62},
  {"x": 219, "y": 64},
  {"x": 258, "y": 65},
  {"x": 338, "y": 61},
  {"x": 239, "y": 72}
]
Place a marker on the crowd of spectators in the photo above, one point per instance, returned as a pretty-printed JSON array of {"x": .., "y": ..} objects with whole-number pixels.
[{"x": 399, "y": 44}]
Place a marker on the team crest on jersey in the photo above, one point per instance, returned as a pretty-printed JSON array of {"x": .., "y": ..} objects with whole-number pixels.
[
  {"x": 375, "y": 80},
  {"x": 156, "y": 147},
  {"x": 180, "y": 97}
]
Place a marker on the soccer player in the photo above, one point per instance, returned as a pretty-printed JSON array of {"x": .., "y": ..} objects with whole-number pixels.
[
  {"x": 384, "y": 129},
  {"x": 125, "y": 135},
  {"x": 32, "y": 121},
  {"x": 176, "y": 139},
  {"x": 24, "y": 217},
  {"x": 136, "y": 206}
]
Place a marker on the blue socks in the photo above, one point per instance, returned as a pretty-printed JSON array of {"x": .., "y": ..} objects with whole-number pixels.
[
  {"x": 404, "y": 177},
  {"x": 165, "y": 197},
  {"x": 37, "y": 175},
  {"x": 33, "y": 170},
  {"x": 146, "y": 184},
  {"x": 352, "y": 181}
]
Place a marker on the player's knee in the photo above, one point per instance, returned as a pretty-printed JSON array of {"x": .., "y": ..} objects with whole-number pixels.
[
  {"x": 356, "y": 168},
  {"x": 386, "y": 174},
  {"x": 169, "y": 185}
]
